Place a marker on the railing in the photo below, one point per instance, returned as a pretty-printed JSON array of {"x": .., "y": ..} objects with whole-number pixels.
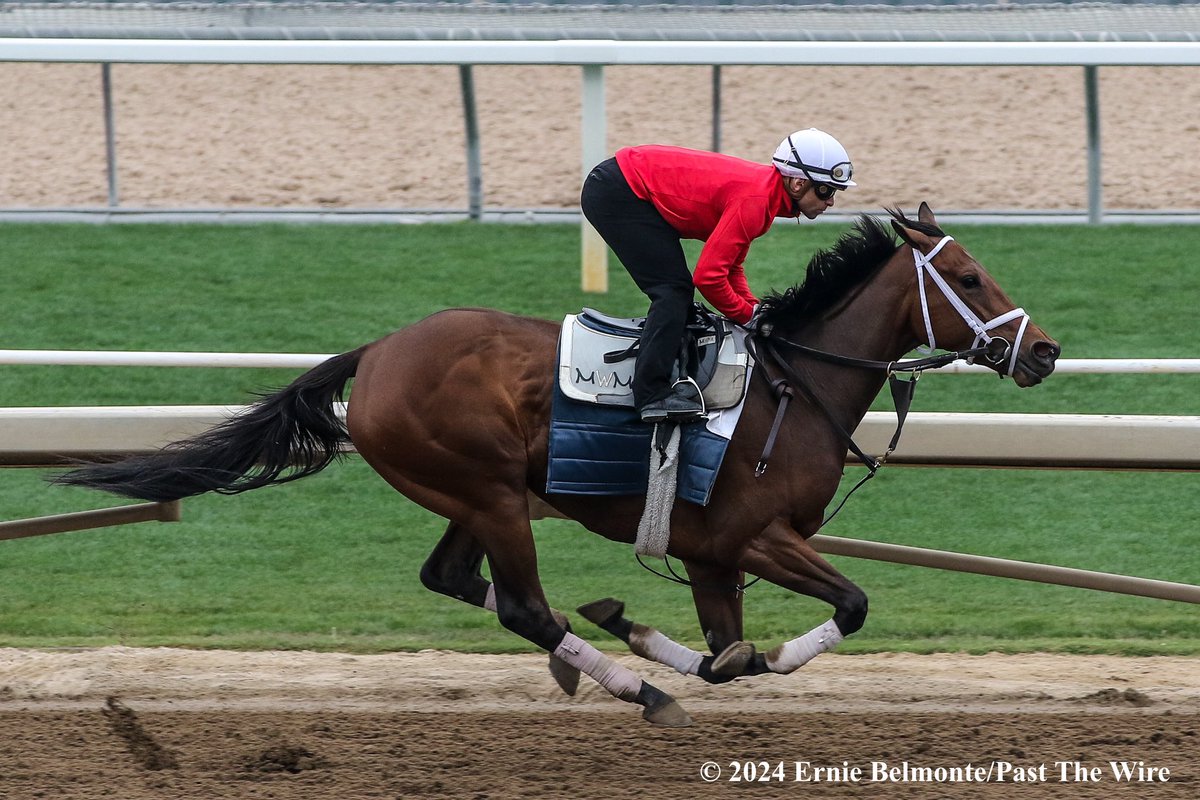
[
  {"x": 53, "y": 436},
  {"x": 592, "y": 56},
  {"x": 42, "y": 437},
  {"x": 146, "y": 358},
  {"x": 49, "y": 436}
]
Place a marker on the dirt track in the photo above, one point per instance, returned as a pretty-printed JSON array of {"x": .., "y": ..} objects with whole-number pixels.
[
  {"x": 392, "y": 137},
  {"x": 162, "y": 723}
]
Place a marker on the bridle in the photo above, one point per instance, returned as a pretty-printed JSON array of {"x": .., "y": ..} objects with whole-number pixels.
[
  {"x": 996, "y": 355},
  {"x": 764, "y": 342},
  {"x": 994, "y": 349}
]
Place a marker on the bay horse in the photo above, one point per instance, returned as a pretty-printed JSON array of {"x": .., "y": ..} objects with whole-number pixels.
[{"x": 453, "y": 412}]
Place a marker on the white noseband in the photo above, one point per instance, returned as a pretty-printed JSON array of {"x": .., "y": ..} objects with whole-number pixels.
[{"x": 924, "y": 265}]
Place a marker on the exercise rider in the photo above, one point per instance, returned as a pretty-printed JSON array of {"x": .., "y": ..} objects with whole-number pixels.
[{"x": 646, "y": 199}]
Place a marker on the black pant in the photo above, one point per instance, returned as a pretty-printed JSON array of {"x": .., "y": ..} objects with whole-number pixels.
[{"x": 650, "y": 250}]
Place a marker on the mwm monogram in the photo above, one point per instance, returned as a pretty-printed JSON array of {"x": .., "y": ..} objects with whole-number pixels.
[{"x": 606, "y": 380}]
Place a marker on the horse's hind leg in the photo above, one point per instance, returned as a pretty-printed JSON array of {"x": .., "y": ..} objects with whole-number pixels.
[
  {"x": 453, "y": 569},
  {"x": 522, "y": 608},
  {"x": 650, "y": 643}
]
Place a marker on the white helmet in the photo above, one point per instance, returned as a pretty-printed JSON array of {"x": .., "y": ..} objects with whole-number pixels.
[{"x": 814, "y": 155}]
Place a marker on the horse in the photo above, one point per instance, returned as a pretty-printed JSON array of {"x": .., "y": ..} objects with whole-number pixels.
[{"x": 453, "y": 411}]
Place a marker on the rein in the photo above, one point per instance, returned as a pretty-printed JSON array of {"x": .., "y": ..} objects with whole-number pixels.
[
  {"x": 675, "y": 577},
  {"x": 993, "y": 348},
  {"x": 763, "y": 341},
  {"x": 902, "y": 390},
  {"x": 902, "y": 395}
]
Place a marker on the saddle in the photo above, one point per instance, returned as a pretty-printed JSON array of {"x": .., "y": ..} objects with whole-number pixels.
[
  {"x": 599, "y": 446},
  {"x": 597, "y": 352}
]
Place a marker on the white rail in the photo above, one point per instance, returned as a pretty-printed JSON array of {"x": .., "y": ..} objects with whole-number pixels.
[
  {"x": 142, "y": 358},
  {"x": 136, "y": 358},
  {"x": 1099, "y": 366},
  {"x": 602, "y": 52},
  {"x": 52, "y": 435},
  {"x": 1006, "y": 568}
]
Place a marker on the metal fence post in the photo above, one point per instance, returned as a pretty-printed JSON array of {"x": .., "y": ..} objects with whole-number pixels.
[
  {"x": 595, "y": 145},
  {"x": 474, "y": 162},
  {"x": 110, "y": 135},
  {"x": 716, "y": 108},
  {"x": 1091, "y": 86}
]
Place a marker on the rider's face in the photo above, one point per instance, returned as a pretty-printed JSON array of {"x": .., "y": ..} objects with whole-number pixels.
[{"x": 808, "y": 196}]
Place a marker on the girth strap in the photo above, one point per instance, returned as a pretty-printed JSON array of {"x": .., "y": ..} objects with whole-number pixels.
[
  {"x": 782, "y": 388},
  {"x": 783, "y": 395}
]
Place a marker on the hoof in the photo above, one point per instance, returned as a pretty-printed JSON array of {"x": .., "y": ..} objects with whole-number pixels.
[
  {"x": 734, "y": 659},
  {"x": 661, "y": 708},
  {"x": 668, "y": 715},
  {"x": 566, "y": 676},
  {"x": 603, "y": 611}
]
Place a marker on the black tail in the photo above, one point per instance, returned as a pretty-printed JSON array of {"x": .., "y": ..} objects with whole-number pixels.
[{"x": 290, "y": 434}]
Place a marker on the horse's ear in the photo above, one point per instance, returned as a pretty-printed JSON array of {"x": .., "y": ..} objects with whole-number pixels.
[
  {"x": 913, "y": 238},
  {"x": 925, "y": 214}
]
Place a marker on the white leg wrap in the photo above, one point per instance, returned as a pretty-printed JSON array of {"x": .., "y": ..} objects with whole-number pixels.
[
  {"x": 620, "y": 682},
  {"x": 791, "y": 656},
  {"x": 653, "y": 645},
  {"x": 489, "y": 602}
]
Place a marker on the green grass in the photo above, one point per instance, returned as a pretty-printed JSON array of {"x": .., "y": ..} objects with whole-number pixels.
[{"x": 331, "y": 562}]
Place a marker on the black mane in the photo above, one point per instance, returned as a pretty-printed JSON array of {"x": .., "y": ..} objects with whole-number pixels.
[{"x": 833, "y": 273}]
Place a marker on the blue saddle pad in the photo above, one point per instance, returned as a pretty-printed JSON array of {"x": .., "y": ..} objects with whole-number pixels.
[{"x": 605, "y": 450}]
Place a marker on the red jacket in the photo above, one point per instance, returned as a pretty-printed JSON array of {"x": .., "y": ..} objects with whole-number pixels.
[{"x": 725, "y": 202}]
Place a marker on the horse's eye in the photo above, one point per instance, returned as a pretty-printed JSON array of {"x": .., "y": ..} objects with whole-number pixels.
[{"x": 969, "y": 281}]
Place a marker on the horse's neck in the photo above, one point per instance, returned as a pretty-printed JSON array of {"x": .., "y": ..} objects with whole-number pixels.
[{"x": 873, "y": 325}]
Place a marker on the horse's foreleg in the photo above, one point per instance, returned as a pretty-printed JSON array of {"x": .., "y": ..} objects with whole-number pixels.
[
  {"x": 717, "y": 593},
  {"x": 652, "y": 645},
  {"x": 718, "y": 604},
  {"x": 454, "y": 569},
  {"x": 782, "y": 556}
]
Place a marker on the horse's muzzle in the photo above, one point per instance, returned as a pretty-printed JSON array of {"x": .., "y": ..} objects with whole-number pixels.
[{"x": 1036, "y": 363}]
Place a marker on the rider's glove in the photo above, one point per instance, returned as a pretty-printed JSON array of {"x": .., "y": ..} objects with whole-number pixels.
[{"x": 755, "y": 324}]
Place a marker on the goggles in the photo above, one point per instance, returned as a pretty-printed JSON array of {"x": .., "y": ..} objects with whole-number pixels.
[{"x": 841, "y": 173}]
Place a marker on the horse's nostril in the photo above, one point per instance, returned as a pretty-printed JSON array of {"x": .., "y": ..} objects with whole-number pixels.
[{"x": 1046, "y": 351}]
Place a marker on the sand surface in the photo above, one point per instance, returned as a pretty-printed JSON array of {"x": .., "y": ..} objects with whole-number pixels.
[
  {"x": 149, "y": 723},
  {"x": 194, "y": 136}
]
